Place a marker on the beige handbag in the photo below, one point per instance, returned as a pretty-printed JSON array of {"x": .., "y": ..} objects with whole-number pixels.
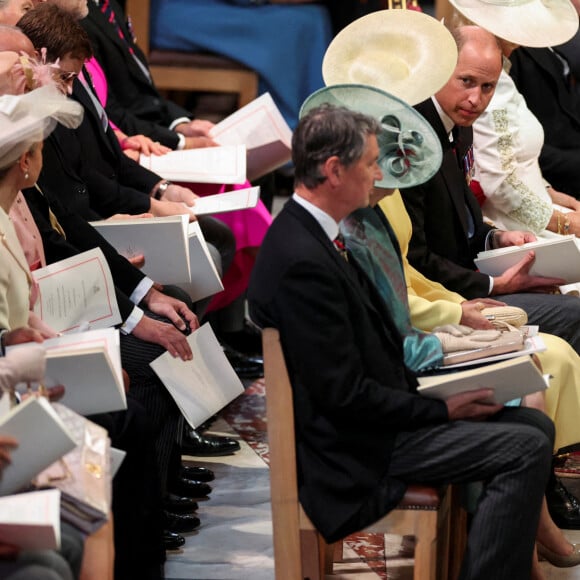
[{"x": 83, "y": 475}]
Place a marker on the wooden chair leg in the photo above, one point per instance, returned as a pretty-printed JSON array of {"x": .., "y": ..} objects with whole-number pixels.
[
  {"x": 313, "y": 549},
  {"x": 425, "y": 547}
]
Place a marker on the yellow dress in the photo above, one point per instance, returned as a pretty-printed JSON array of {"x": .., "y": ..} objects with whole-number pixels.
[{"x": 431, "y": 304}]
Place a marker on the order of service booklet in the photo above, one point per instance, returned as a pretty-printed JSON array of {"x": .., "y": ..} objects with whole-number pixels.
[
  {"x": 509, "y": 379},
  {"x": 77, "y": 291},
  {"x": 203, "y": 386},
  {"x": 262, "y": 129},
  {"x": 31, "y": 521},
  {"x": 42, "y": 439},
  {"x": 558, "y": 258},
  {"x": 206, "y": 165}
]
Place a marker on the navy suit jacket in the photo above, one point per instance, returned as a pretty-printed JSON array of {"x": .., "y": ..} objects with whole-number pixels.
[
  {"x": 440, "y": 247},
  {"x": 351, "y": 390}
]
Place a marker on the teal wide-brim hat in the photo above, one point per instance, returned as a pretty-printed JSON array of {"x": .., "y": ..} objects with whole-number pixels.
[{"x": 409, "y": 149}]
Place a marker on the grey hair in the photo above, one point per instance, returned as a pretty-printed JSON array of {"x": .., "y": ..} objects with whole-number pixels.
[{"x": 328, "y": 131}]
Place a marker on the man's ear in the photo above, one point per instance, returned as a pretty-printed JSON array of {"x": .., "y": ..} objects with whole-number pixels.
[{"x": 332, "y": 169}]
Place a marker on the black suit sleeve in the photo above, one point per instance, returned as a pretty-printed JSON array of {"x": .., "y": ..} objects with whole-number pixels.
[{"x": 422, "y": 254}]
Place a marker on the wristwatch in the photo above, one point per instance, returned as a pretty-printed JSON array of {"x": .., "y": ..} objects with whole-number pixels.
[{"x": 161, "y": 189}]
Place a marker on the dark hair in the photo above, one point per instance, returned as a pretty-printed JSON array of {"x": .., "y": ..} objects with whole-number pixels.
[
  {"x": 50, "y": 27},
  {"x": 325, "y": 132}
]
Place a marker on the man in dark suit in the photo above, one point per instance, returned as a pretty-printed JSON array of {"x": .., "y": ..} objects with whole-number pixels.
[
  {"x": 363, "y": 433},
  {"x": 448, "y": 227},
  {"x": 545, "y": 80},
  {"x": 134, "y": 103}
]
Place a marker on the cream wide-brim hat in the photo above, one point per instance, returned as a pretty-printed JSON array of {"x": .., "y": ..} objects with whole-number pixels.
[
  {"x": 404, "y": 52},
  {"x": 532, "y": 23}
]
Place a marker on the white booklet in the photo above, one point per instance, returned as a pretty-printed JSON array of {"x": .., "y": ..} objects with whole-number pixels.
[
  {"x": 77, "y": 291},
  {"x": 42, "y": 439},
  {"x": 162, "y": 240},
  {"x": 227, "y": 201},
  {"x": 31, "y": 521},
  {"x": 88, "y": 364},
  {"x": 558, "y": 258},
  {"x": 204, "y": 277},
  {"x": 206, "y": 165},
  {"x": 262, "y": 129},
  {"x": 509, "y": 379},
  {"x": 204, "y": 385}
]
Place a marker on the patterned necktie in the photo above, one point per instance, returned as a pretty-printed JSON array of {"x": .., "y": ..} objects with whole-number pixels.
[{"x": 340, "y": 246}]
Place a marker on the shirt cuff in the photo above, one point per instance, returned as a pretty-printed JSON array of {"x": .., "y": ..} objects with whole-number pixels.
[
  {"x": 488, "y": 239},
  {"x": 132, "y": 320},
  {"x": 490, "y": 286},
  {"x": 181, "y": 142},
  {"x": 140, "y": 290},
  {"x": 178, "y": 122}
]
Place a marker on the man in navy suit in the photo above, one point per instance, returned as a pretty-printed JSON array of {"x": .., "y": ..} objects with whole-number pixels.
[{"x": 362, "y": 431}]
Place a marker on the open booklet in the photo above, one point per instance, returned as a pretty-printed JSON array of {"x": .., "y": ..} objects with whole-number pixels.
[
  {"x": 227, "y": 201},
  {"x": 31, "y": 521},
  {"x": 262, "y": 129},
  {"x": 204, "y": 385},
  {"x": 509, "y": 379},
  {"x": 175, "y": 251},
  {"x": 559, "y": 258},
  {"x": 207, "y": 165},
  {"x": 88, "y": 364},
  {"x": 42, "y": 439},
  {"x": 77, "y": 291}
]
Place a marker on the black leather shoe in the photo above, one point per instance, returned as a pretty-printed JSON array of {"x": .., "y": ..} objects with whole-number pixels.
[
  {"x": 246, "y": 367},
  {"x": 179, "y": 505},
  {"x": 189, "y": 488},
  {"x": 172, "y": 541},
  {"x": 197, "y": 473},
  {"x": 194, "y": 443},
  {"x": 563, "y": 506},
  {"x": 179, "y": 523},
  {"x": 247, "y": 341}
]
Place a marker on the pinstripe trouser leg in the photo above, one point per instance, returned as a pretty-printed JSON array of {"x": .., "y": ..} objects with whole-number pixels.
[
  {"x": 511, "y": 454},
  {"x": 162, "y": 412}
]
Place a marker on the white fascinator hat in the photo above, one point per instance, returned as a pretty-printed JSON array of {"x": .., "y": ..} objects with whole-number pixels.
[{"x": 30, "y": 118}]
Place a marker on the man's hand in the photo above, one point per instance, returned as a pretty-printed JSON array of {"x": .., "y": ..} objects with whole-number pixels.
[
  {"x": 176, "y": 310},
  {"x": 165, "y": 335},
  {"x": 471, "y": 313},
  {"x": 161, "y": 208},
  {"x": 144, "y": 145},
  {"x": 199, "y": 142},
  {"x": 518, "y": 279},
  {"x": 6, "y": 444},
  {"x": 503, "y": 239},
  {"x": 470, "y": 405},
  {"x": 22, "y": 335},
  {"x": 128, "y": 216},
  {"x": 195, "y": 128},
  {"x": 178, "y": 193}
]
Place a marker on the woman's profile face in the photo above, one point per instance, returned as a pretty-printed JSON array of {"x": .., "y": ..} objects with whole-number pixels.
[
  {"x": 14, "y": 10},
  {"x": 35, "y": 161}
]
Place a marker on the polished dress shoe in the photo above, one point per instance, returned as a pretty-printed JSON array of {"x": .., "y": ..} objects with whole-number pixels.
[
  {"x": 197, "y": 473},
  {"x": 180, "y": 524},
  {"x": 189, "y": 488},
  {"x": 563, "y": 506},
  {"x": 248, "y": 340},
  {"x": 179, "y": 505},
  {"x": 172, "y": 541},
  {"x": 246, "y": 367},
  {"x": 194, "y": 443},
  {"x": 558, "y": 560}
]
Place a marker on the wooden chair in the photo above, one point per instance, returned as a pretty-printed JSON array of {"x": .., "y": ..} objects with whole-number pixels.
[
  {"x": 195, "y": 71},
  {"x": 438, "y": 523}
]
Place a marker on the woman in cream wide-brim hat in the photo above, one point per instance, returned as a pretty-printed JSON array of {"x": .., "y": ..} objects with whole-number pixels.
[{"x": 408, "y": 54}]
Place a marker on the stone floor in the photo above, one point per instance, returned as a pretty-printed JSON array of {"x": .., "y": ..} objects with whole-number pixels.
[{"x": 235, "y": 538}]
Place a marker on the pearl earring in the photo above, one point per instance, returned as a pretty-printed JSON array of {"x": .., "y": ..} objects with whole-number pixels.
[{"x": 26, "y": 176}]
